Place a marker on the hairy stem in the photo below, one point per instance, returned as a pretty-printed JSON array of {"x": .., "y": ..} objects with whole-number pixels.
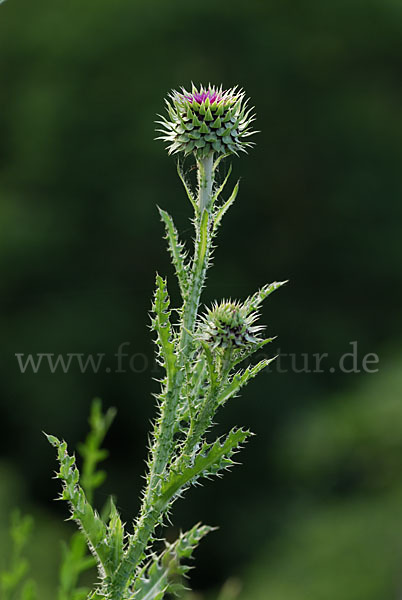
[{"x": 205, "y": 181}]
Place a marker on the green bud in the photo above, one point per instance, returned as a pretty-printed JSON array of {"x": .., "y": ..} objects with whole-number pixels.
[
  {"x": 207, "y": 109},
  {"x": 229, "y": 325}
]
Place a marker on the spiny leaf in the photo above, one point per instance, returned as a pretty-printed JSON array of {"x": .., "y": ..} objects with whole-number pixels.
[
  {"x": 81, "y": 511},
  {"x": 242, "y": 354},
  {"x": 253, "y": 302},
  {"x": 188, "y": 191},
  {"x": 209, "y": 460},
  {"x": 203, "y": 239},
  {"x": 177, "y": 253},
  {"x": 75, "y": 557},
  {"x": 218, "y": 161},
  {"x": 152, "y": 583},
  {"x": 241, "y": 379},
  {"x": 210, "y": 362},
  {"x": 115, "y": 538},
  {"x": 193, "y": 393},
  {"x": 221, "y": 187},
  {"x": 161, "y": 324},
  {"x": 199, "y": 267},
  {"x": 225, "y": 207},
  {"x": 164, "y": 574},
  {"x": 188, "y": 541}
]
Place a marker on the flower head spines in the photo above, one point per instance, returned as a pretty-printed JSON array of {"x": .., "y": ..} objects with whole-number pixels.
[
  {"x": 207, "y": 120},
  {"x": 228, "y": 326}
]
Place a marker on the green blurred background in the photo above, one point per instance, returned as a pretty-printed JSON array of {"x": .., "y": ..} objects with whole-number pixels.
[{"x": 315, "y": 512}]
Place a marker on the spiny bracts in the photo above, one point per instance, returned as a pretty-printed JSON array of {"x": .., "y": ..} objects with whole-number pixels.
[
  {"x": 207, "y": 120},
  {"x": 229, "y": 325}
]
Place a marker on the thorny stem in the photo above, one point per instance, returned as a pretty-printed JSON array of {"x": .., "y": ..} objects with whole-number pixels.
[
  {"x": 205, "y": 181},
  {"x": 152, "y": 510}
]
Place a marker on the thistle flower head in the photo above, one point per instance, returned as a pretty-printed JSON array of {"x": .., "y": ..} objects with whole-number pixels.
[
  {"x": 229, "y": 325},
  {"x": 207, "y": 120}
]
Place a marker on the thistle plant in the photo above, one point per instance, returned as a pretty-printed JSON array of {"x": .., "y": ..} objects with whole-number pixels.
[{"x": 201, "y": 354}]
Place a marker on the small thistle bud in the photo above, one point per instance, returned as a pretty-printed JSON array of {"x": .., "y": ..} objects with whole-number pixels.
[
  {"x": 228, "y": 325},
  {"x": 207, "y": 120}
]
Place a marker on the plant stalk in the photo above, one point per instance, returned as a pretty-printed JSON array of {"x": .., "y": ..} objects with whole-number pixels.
[
  {"x": 205, "y": 182},
  {"x": 152, "y": 509}
]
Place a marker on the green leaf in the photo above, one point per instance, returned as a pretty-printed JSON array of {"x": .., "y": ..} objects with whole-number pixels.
[
  {"x": 240, "y": 379},
  {"x": 193, "y": 392},
  {"x": 199, "y": 267},
  {"x": 222, "y": 186},
  {"x": 210, "y": 362},
  {"x": 186, "y": 187},
  {"x": 242, "y": 354},
  {"x": 219, "y": 160},
  {"x": 28, "y": 591},
  {"x": 13, "y": 579},
  {"x": 115, "y": 538},
  {"x": 203, "y": 243},
  {"x": 81, "y": 510},
  {"x": 80, "y": 594},
  {"x": 177, "y": 252},
  {"x": 75, "y": 560},
  {"x": 225, "y": 207},
  {"x": 161, "y": 324},
  {"x": 91, "y": 450},
  {"x": 152, "y": 582},
  {"x": 209, "y": 460},
  {"x": 164, "y": 574},
  {"x": 253, "y": 302}
]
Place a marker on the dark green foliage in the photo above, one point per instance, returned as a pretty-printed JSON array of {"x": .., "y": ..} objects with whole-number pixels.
[
  {"x": 321, "y": 205},
  {"x": 75, "y": 561},
  {"x": 15, "y": 582}
]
